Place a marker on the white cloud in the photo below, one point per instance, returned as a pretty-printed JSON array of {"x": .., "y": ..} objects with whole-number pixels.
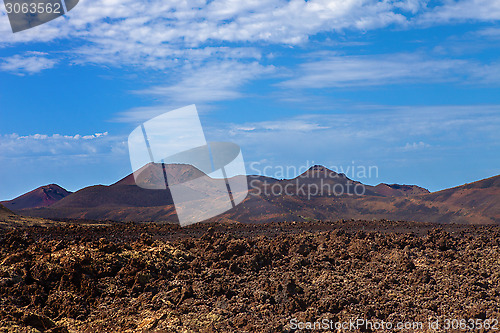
[
  {"x": 31, "y": 63},
  {"x": 191, "y": 35},
  {"x": 485, "y": 74},
  {"x": 346, "y": 71},
  {"x": 56, "y": 136},
  {"x": 294, "y": 21},
  {"x": 199, "y": 85},
  {"x": 301, "y": 125},
  {"x": 197, "y": 22},
  {"x": 212, "y": 82},
  {"x": 161, "y": 34},
  {"x": 39, "y": 145},
  {"x": 493, "y": 33},
  {"x": 462, "y": 10},
  {"x": 415, "y": 146},
  {"x": 141, "y": 114},
  {"x": 412, "y": 6},
  {"x": 140, "y": 33},
  {"x": 400, "y": 126}
]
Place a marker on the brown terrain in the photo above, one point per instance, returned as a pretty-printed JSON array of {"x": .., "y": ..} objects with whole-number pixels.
[{"x": 238, "y": 277}]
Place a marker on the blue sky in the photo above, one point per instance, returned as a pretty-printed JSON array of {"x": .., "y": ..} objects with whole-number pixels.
[{"x": 411, "y": 87}]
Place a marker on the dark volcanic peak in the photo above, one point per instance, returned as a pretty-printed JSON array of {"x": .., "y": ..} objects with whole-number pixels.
[
  {"x": 43, "y": 196},
  {"x": 321, "y": 181},
  {"x": 320, "y": 171},
  {"x": 153, "y": 173}
]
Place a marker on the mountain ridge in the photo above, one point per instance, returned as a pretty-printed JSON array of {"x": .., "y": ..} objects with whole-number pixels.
[{"x": 474, "y": 203}]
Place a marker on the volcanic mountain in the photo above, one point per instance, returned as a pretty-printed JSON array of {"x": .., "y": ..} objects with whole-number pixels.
[
  {"x": 153, "y": 174},
  {"x": 331, "y": 183},
  {"x": 270, "y": 199},
  {"x": 326, "y": 182},
  {"x": 43, "y": 196}
]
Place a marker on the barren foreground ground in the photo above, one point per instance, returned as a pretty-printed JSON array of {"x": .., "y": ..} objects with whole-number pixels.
[{"x": 247, "y": 278}]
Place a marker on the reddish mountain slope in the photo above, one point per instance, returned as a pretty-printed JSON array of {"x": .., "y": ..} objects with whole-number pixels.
[
  {"x": 481, "y": 197},
  {"x": 43, "y": 196}
]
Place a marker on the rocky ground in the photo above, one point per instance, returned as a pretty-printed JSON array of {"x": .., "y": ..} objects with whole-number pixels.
[{"x": 247, "y": 278}]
